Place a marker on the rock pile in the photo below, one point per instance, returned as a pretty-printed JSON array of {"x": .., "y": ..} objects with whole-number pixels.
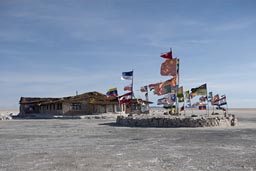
[
  {"x": 4, "y": 117},
  {"x": 176, "y": 121}
]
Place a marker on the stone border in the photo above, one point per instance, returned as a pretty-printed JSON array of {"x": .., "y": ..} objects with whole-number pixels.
[{"x": 176, "y": 121}]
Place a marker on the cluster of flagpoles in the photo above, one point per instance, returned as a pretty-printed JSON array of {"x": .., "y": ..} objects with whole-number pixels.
[
  {"x": 127, "y": 97},
  {"x": 128, "y": 76},
  {"x": 205, "y": 100},
  {"x": 173, "y": 93},
  {"x": 170, "y": 88}
]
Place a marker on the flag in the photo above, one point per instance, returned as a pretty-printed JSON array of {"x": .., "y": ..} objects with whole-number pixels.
[
  {"x": 201, "y": 90},
  {"x": 112, "y": 92},
  {"x": 202, "y": 107},
  {"x": 157, "y": 88},
  {"x": 126, "y": 94},
  {"x": 169, "y": 67},
  {"x": 162, "y": 101},
  {"x": 202, "y": 99},
  {"x": 144, "y": 89},
  {"x": 127, "y": 75},
  {"x": 192, "y": 95},
  {"x": 128, "y": 88},
  {"x": 125, "y": 98},
  {"x": 167, "y": 55},
  {"x": 187, "y": 95},
  {"x": 165, "y": 87},
  {"x": 215, "y": 100},
  {"x": 180, "y": 94},
  {"x": 173, "y": 98},
  {"x": 223, "y": 100}
]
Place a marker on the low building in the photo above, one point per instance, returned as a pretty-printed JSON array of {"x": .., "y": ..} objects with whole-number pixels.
[{"x": 83, "y": 104}]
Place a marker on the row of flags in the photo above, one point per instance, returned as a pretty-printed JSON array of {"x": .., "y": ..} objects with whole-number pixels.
[
  {"x": 170, "y": 99},
  {"x": 173, "y": 93},
  {"x": 169, "y": 67},
  {"x": 204, "y": 99}
]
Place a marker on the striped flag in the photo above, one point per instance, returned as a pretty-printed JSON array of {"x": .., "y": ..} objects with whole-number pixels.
[{"x": 112, "y": 92}]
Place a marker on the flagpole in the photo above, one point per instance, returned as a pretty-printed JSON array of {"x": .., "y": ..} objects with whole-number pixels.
[
  {"x": 178, "y": 73},
  {"x": 147, "y": 99},
  {"x": 191, "y": 107},
  {"x": 132, "y": 91},
  {"x": 207, "y": 101},
  {"x": 226, "y": 104},
  {"x": 212, "y": 103}
]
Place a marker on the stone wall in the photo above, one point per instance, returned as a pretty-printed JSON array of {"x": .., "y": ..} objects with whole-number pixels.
[{"x": 178, "y": 121}]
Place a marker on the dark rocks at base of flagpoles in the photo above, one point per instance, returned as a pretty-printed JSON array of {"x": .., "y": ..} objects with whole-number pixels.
[{"x": 144, "y": 120}]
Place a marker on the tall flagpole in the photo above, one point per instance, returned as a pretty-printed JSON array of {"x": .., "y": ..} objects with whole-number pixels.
[
  {"x": 132, "y": 90},
  {"x": 178, "y": 74},
  {"x": 147, "y": 99}
]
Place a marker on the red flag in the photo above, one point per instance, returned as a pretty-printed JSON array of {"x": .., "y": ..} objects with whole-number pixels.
[
  {"x": 125, "y": 98},
  {"x": 126, "y": 94},
  {"x": 167, "y": 55},
  {"x": 215, "y": 100},
  {"x": 169, "y": 67},
  {"x": 128, "y": 88}
]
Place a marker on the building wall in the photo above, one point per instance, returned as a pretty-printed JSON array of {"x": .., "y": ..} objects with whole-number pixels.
[
  {"x": 29, "y": 108},
  {"x": 52, "y": 109},
  {"x": 77, "y": 108},
  {"x": 81, "y": 107}
]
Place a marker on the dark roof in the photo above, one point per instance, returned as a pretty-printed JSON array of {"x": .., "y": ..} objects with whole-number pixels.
[{"x": 93, "y": 98}]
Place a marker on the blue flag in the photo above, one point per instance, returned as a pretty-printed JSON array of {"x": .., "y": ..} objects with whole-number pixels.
[{"x": 127, "y": 75}]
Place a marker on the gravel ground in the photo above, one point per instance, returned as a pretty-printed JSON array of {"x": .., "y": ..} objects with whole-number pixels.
[{"x": 97, "y": 144}]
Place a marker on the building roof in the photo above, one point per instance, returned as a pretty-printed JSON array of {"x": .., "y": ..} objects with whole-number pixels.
[{"x": 93, "y": 98}]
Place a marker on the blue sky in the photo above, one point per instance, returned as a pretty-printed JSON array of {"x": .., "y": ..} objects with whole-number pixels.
[{"x": 53, "y": 48}]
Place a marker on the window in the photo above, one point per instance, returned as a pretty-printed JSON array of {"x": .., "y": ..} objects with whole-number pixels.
[
  {"x": 59, "y": 106},
  {"x": 76, "y": 106}
]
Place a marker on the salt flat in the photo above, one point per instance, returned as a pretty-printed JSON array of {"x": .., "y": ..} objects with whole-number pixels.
[{"x": 97, "y": 144}]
